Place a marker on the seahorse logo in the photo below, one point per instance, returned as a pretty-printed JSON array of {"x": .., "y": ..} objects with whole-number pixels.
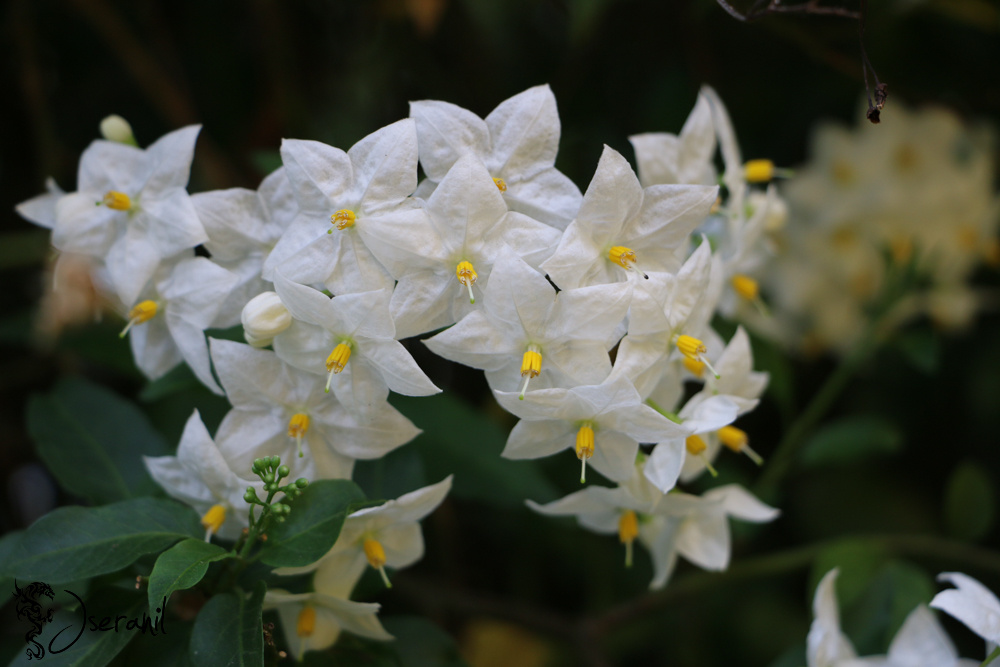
[{"x": 27, "y": 605}]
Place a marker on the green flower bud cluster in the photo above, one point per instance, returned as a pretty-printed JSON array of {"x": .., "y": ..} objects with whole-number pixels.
[{"x": 271, "y": 472}]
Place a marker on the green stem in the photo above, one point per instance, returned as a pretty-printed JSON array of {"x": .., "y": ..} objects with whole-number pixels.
[{"x": 991, "y": 657}]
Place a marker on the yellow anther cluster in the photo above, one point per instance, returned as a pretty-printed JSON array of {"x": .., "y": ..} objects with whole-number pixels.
[
  {"x": 733, "y": 438},
  {"x": 467, "y": 275},
  {"x": 691, "y": 347},
  {"x": 585, "y": 442},
  {"x": 695, "y": 445},
  {"x": 298, "y": 425},
  {"x": 374, "y": 552},
  {"x": 696, "y": 368},
  {"x": 745, "y": 286},
  {"x": 531, "y": 363},
  {"x": 343, "y": 218},
  {"x": 119, "y": 201},
  {"x": 306, "y": 624},
  {"x": 501, "y": 184},
  {"x": 758, "y": 171},
  {"x": 212, "y": 520},
  {"x": 622, "y": 256},
  {"x": 628, "y": 527},
  {"x": 338, "y": 358},
  {"x": 143, "y": 311}
]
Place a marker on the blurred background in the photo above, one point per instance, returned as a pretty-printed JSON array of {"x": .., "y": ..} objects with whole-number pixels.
[{"x": 906, "y": 489}]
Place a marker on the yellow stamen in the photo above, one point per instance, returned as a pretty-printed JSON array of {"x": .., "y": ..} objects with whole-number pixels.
[
  {"x": 119, "y": 201},
  {"x": 143, "y": 312},
  {"x": 501, "y": 184},
  {"x": 467, "y": 276},
  {"x": 625, "y": 258},
  {"x": 297, "y": 427},
  {"x": 696, "y": 447},
  {"x": 376, "y": 558},
  {"x": 212, "y": 520},
  {"x": 336, "y": 361},
  {"x": 531, "y": 366},
  {"x": 628, "y": 530},
  {"x": 694, "y": 349},
  {"x": 737, "y": 440},
  {"x": 343, "y": 219},
  {"x": 745, "y": 286},
  {"x": 697, "y": 368},
  {"x": 306, "y": 624},
  {"x": 584, "y": 448},
  {"x": 758, "y": 171}
]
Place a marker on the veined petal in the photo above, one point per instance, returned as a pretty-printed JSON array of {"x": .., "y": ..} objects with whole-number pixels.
[
  {"x": 614, "y": 455},
  {"x": 400, "y": 371},
  {"x": 110, "y": 165},
  {"x": 971, "y": 603},
  {"x": 525, "y": 134},
  {"x": 384, "y": 167},
  {"x": 321, "y": 175},
  {"x": 549, "y": 196},
  {"x": 444, "y": 133},
  {"x": 535, "y": 439},
  {"x": 663, "y": 466},
  {"x": 739, "y": 503},
  {"x": 170, "y": 159},
  {"x": 704, "y": 540}
]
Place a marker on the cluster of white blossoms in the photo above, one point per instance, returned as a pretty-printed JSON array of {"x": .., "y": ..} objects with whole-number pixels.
[
  {"x": 590, "y": 314},
  {"x": 919, "y": 187},
  {"x": 921, "y": 641}
]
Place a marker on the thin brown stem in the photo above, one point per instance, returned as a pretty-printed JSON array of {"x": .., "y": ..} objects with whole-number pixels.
[{"x": 775, "y": 7}]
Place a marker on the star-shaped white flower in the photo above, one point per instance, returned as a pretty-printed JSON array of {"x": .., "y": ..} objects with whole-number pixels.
[
  {"x": 517, "y": 142},
  {"x": 314, "y": 621},
  {"x": 920, "y": 642},
  {"x": 471, "y": 224},
  {"x": 199, "y": 476},
  {"x": 623, "y": 228},
  {"x": 131, "y": 208},
  {"x": 664, "y": 158},
  {"x": 341, "y": 199},
  {"x": 168, "y": 324},
  {"x": 349, "y": 338},
  {"x": 526, "y": 331},
  {"x": 279, "y": 409},
  {"x": 603, "y": 423},
  {"x": 973, "y": 604},
  {"x": 827, "y": 645}
]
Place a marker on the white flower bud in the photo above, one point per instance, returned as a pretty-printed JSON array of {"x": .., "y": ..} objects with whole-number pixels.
[
  {"x": 116, "y": 128},
  {"x": 264, "y": 317}
]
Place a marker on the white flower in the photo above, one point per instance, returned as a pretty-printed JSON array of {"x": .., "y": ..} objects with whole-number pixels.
[
  {"x": 920, "y": 642},
  {"x": 349, "y": 338},
  {"x": 341, "y": 199},
  {"x": 517, "y": 142},
  {"x": 264, "y": 317},
  {"x": 470, "y": 223},
  {"x": 385, "y": 536},
  {"x": 313, "y": 621},
  {"x": 526, "y": 331},
  {"x": 199, "y": 476},
  {"x": 603, "y": 423},
  {"x": 623, "y": 228},
  {"x": 973, "y": 604},
  {"x": 169, "y": 323},
  {"x": 131, "y": 208},
  {"x": 278, "y": 409},
  {"x": 41, "y": 210}
]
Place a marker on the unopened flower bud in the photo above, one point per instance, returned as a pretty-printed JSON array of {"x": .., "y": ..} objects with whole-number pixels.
[
  {"x": 302, "y": 482},
  {"x": 275, "y": 461},
  {"x": 116, "y": 128},
  {"x": 264, "y": 317},
  {"x": 283, "y": 471}
]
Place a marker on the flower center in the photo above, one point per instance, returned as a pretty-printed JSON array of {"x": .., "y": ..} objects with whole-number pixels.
[
  {"x": 143, "y": 312},
  {"x": 306, "y": 624},
  {"x": 695, "y": 350},
  {"x": 584, "y": 448},
  {"x": 467, "y": 275},
  {"x": 625, "y": 258},
  {"x": 376, "y": 557},
  {"x": 758, "y": 171},
  {"x": 696, "y": 446},
  {"x": 745, "y": 286},
  {"x": 297, "y": 427},
  {"x": 336, "y": 361},
  {"x": 118, "y": 201},
  {"x": 531, "y": 366},
  {"x": 737, "y": 440},
  {"x": 343, "y": 219},
  {"x": 212, "y": 520},
  {"x": 628, "y": 530},
  {"x": 501, "y": 184},
  {"x": 697, "y": 368}
]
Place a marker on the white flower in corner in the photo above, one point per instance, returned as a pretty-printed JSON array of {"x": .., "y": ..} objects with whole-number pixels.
[
  {"x": 685, "y": 158},
  {"x": 827, "y": 645},
  {"x": 974, "y": 605},
  {"x": 920, "y": 642},
  {"x": 314, "y": 621}
]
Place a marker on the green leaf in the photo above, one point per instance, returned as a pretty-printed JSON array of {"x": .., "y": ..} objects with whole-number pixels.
[
  {"x": 77, "y": 542},
  {"x": 228, "y": 631},
  {"x": 421, "y": 643},
  {"x": 93, "y": 441},
  {"x": 858, "y": 561},
  {"x": 969, "y": 501},
  {"x": 461, "y": 440},
  {"x": 313, "y": 524},
  {"x": 70, "y": 640},
  {"x": 182, "y": 566},
  {"x": 851, "y": 439}
]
